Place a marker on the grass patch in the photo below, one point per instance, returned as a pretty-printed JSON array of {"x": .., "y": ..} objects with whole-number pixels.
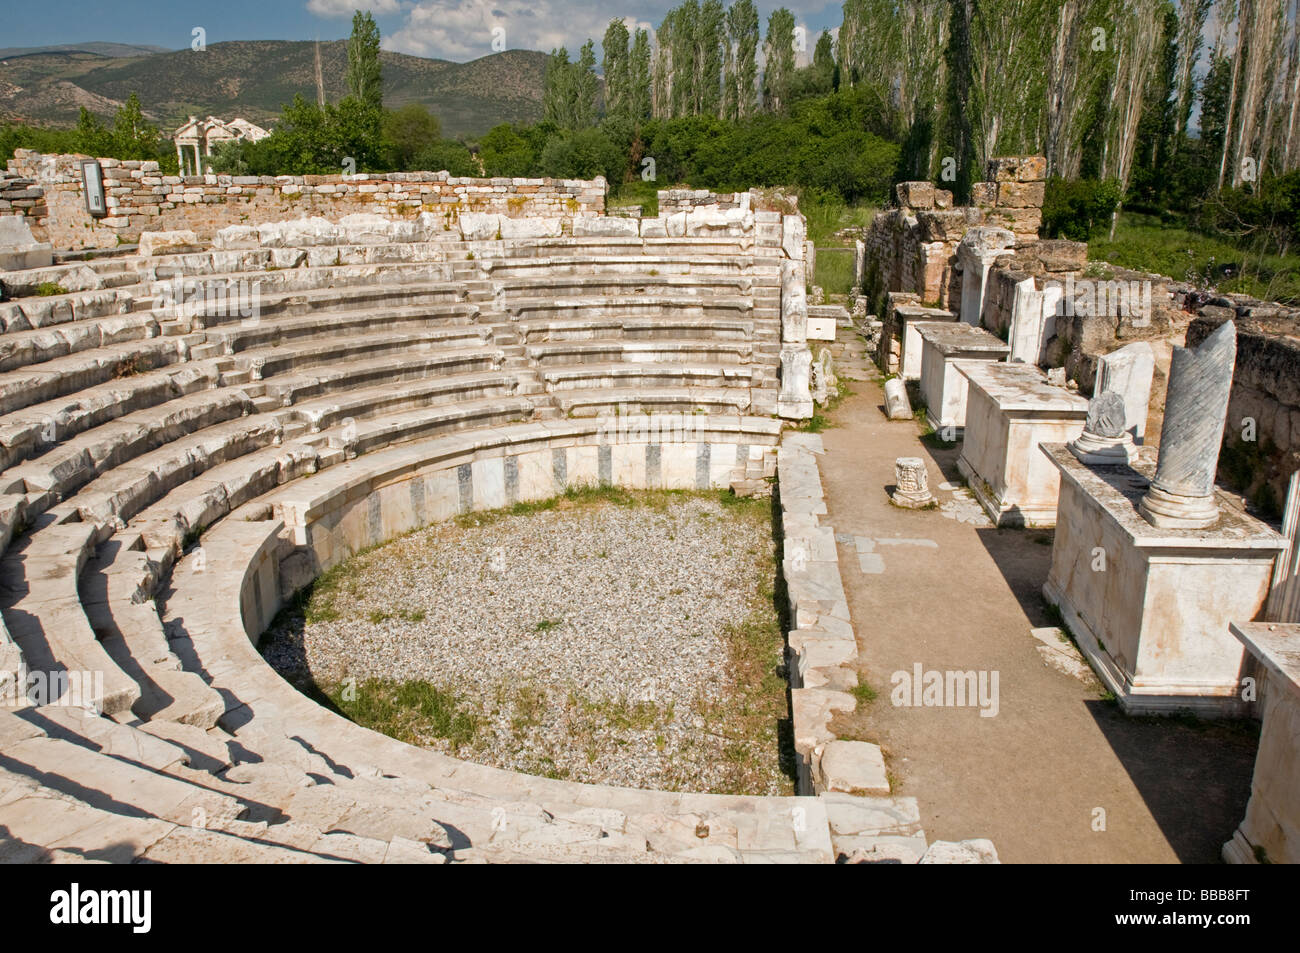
[
  {"x": 827, "y": 216},
  {"x": 414, "y": 711},
  {"x": 834, "y": 271},
  {"x": 1146, "y": 243},
  {"x": 637, "y": 193},
  {"x": 47, "y": 289},
  {"x": 864, "y": 693}
]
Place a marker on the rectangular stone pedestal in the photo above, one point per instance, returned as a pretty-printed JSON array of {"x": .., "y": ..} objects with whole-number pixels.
[
  {"x": 1270, "y": 832},
  {"x": 1010, "y": 410},
  {"x": 1151, "y": 608},
  {"x": 942, "y": 384},
  {"x": 908, "y": 317}
]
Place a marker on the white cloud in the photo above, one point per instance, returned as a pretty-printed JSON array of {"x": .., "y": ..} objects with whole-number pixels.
[
  {"x": 462, "y": 29},
  {"x": 345, "y": 8}
]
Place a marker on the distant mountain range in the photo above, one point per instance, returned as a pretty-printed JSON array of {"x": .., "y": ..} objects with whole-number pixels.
[{"x": 253, "y": 79}]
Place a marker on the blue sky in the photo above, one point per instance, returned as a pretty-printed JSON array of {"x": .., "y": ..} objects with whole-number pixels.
[{"x": 448, "y": 29}]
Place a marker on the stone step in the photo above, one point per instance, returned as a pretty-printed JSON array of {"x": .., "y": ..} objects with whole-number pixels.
[
  {"x": 434, "y": 421},
  {"x": 75, "y": 372},
  {"x": 266, "y": 363},
  {"x": 43, "y": 825},
  {"x": 366, "y": 402},
  {"x": 118, "y": 495},
  {"x": 565, "y": 353},
  {"x": 268, "y": 332},
  {"x": 117, "y": 594},
  {"x": 74, "y": 462},
  {"x": 43, "y": 613},
  {"x": 644, "y": 307},
  {"x": 20, "y": 349},
  {"x": 205, "y": 750},
  {"x": 641, "y": 400},
  {"x": 618, "y": 326},
  {"x": 591, "y": 376},
  {"x": 111, "y": 784},
  {"x": 604, "y": 285},
  {"x": 262, "y": 303},
  {"x": 26, "y": 313},
  {"x": 108, "y": 737}
]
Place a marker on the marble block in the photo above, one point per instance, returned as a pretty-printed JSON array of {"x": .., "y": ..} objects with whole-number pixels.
[
  {"x": 944, "y": 387},
  {"x": 794, "y": 402},
  {"x": 1010, "y": 410},
  {"x": 1149, "y": 607},
  {"x": 18, "y": 249},
  {"x": 1270, "y": 831},
  {"x": 909, "y": 338}
]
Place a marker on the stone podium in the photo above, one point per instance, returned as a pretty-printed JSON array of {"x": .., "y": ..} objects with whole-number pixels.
[
  {"x": 943, "y": 386},
  {"x": 1149, "y": 606},
  {"x": 1010, "y": 410},
  {"x": 1270, "y": 831}
]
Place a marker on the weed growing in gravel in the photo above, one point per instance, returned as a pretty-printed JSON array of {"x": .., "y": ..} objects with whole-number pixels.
[{"x": 414, "y": 711}]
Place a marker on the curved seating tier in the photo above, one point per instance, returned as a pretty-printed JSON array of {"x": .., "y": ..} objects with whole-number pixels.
[{"x": 174, "y": 468}]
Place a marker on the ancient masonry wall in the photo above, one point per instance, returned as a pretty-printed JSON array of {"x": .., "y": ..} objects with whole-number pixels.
[
  {"x": 912, "y": 247},
  {"x": 140, "y": 198}
]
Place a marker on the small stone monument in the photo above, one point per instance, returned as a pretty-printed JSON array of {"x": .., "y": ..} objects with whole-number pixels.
[
  {"x": 1105, "y": 440},
  {"x": 897, "y": 406},
  {"x": 912, "y": 484},
  {"x": 1196, "y": 406},
  {"x": 1128, "y": 372}
]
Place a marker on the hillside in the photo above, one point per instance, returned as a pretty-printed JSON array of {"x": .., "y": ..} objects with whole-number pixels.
[{"x": 254, "y": 78}]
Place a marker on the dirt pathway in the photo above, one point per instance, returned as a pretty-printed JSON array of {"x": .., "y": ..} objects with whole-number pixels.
[{"x": 1058, "y": 774}]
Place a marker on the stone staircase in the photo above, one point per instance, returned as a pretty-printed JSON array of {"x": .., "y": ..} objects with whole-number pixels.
[{"x": 149, "y": 453}]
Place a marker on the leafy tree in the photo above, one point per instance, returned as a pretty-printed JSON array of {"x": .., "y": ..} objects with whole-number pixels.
[
  {"x": 740, "y": 99},
  {"x": 90, "y": 136},
  {"x": 581, "y": 154},
  {"x": 617, "y": 68},
  {"x": 408, "y": 131},
  {"x": 569, "y": 91},
  {"x": 639, "y": 77},
  {"x": 1079, "y": 209},
  {"x": 505, "y": 152},
  {"x": 446, "y": 155},
  {"x": 824, "y": 62},
  {"x": 365, "y": 76},
  {"x": 779, "y": 52},
  {"x": 709, "y": 36},
  {"x": 133, "y": 138}
]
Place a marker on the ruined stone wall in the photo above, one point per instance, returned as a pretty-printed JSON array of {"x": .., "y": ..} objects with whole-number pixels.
[
  {"x": 140, "y": 198},
  {"x": 20, "y": 195},
  {"x": 684, "y": 200},
  {"x": 912, "y": 246}
]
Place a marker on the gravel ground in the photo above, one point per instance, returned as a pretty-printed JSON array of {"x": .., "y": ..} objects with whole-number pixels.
[{"x": 593, "y": 641}]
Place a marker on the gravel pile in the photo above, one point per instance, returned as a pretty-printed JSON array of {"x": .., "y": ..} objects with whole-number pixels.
[{"x": 588, "y": 641}]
